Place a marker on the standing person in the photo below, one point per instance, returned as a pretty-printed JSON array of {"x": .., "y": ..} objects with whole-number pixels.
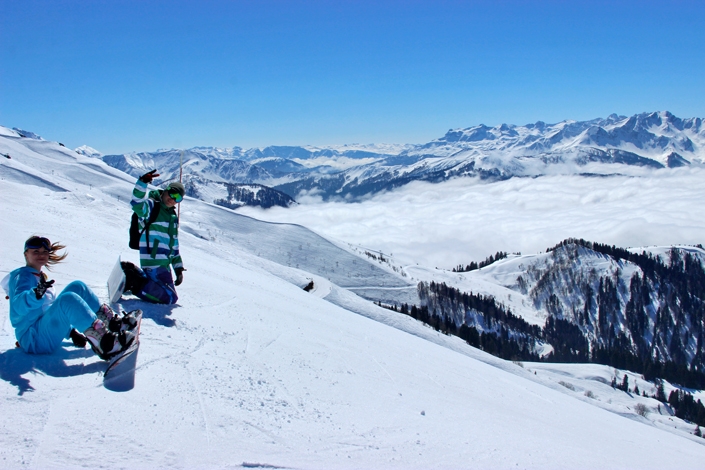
[
  {"x": 158, "y": 243},
  {"x": 43, "y": 319}
]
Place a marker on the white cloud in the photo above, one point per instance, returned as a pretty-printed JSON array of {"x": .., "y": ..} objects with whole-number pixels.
[{"x": 466, "y": 220}]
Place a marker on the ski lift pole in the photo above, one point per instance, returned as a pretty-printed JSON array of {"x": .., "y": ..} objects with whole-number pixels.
[{"x": 181, "y": 172}]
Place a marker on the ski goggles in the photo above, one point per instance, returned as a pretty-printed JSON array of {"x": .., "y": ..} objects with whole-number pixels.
[
  {"x": 34, "y": 243},
  {"x": 176, "y": 196}
]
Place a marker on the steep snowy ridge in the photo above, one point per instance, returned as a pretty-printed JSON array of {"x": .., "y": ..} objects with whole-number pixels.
[{"x": 249, "y": 370}]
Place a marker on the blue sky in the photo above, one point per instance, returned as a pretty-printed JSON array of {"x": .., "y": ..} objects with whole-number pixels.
[{"x": 125, "y": 76}]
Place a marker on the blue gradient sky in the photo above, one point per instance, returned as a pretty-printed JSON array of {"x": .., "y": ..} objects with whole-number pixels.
[{"x": 130, "y": 75}]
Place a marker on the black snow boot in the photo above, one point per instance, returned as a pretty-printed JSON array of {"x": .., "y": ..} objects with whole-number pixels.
[
  {"x": 135, "y": 278},
  {"x": 79, "y": 340}
]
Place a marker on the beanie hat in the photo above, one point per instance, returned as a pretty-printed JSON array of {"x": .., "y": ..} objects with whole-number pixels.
[{"x": 176, "y": 186}]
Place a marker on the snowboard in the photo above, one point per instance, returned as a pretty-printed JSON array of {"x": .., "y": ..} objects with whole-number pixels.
[
  {"x": 120, "y": 373},
  {"x": 116, "y": 282}
]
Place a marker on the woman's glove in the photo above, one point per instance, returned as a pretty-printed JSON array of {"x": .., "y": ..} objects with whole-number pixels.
[{"x": 42, "y": 287}]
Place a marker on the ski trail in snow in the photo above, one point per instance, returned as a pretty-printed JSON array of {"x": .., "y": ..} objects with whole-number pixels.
[
  {"x": 269, "y": 343},
  {"x": 225, "y": 303},
  {"x": 434, "y": 381},
  {"x": 383, "y": 369},
  {"x": 271, "y": 436},
  {"x": 202, "y": 407},
  {"x": 186, "y": 354},
  {"x": 42, "y": 437}
]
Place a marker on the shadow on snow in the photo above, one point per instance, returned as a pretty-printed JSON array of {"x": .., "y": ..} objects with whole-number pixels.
[
  {"x": 158, "y": 313},
  {"x": 15, "y": 364}
]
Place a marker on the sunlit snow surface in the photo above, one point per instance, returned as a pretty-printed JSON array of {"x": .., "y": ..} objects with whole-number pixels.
[{"x": 248, "y": 370}]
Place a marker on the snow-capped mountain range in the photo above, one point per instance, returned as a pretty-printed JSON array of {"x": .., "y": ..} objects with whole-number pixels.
[
  {"x": 616, "y": 144},
  {"x": 248, "y": 370}
]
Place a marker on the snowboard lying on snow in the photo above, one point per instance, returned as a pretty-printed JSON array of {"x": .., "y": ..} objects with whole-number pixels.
[
  {"x": 119, "y": 376},
  {"x": 120, "y": 373},
  {"x": 121, "y": 363}
]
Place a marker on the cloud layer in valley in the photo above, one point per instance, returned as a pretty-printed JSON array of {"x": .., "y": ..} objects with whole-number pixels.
[{"x": 465, "y": 220}]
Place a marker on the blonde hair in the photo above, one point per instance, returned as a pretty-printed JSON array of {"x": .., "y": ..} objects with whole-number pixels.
[{"x": 55, "y": 257}]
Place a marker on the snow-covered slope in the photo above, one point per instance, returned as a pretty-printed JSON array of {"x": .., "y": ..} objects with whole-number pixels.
[{"x": 250, "y": 371}]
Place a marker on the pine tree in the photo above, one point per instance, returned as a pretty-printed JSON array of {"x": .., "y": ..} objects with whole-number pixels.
[{"x": 660, "y": 393}]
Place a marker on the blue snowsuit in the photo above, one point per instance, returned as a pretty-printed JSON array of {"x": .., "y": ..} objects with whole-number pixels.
[{"x": 42, "y": 324}]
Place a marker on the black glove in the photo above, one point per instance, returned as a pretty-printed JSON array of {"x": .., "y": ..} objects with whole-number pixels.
[
  {"x": 42, "y": 287},
  {"x": 148, "y": 177},
  {"x": 179, "y": 276}
]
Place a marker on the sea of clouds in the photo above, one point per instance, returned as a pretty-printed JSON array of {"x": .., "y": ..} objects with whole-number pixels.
[{"x": 465, "y": 219}]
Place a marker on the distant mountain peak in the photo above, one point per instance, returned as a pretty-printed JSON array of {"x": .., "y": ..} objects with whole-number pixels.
[
  {"x": 27, "y": 134},
  {"x": 88, "y": 151}
]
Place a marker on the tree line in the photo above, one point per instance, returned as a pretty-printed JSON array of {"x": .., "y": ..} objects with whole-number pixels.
[
  {"x": 263, "y": 196},
  {"x": 474, "y": 265}
]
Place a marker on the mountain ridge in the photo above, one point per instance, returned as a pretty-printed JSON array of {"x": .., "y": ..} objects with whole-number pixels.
[{"x": 612, "y": 145}]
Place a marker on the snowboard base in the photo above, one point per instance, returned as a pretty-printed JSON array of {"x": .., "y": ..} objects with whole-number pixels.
[{"x": 116, "y": 282}]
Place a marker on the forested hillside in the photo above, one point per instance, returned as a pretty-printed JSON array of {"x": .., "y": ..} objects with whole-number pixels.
[{"x": 639, "y": 311}]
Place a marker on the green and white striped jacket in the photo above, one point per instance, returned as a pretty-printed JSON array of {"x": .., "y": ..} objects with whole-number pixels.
[{"x": 161, "y": 248}]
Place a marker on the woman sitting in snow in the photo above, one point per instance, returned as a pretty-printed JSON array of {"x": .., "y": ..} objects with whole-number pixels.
[{"x": 43, "y": 319}]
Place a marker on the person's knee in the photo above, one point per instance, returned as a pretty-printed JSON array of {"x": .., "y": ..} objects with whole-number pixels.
[
  {"x": 76, "y": 286},
  {"x": 80, "y": 289},
  {"x": 57, "y": 319},
  {"x": 71, "y": 309},
  {"x": 68, "y": 300}
]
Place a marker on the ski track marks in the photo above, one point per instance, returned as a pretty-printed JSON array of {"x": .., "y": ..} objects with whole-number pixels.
[{"x": 204, "y": 414}]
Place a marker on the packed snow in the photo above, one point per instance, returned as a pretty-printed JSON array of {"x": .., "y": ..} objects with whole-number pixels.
[{"x": 250, "y": 371}]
